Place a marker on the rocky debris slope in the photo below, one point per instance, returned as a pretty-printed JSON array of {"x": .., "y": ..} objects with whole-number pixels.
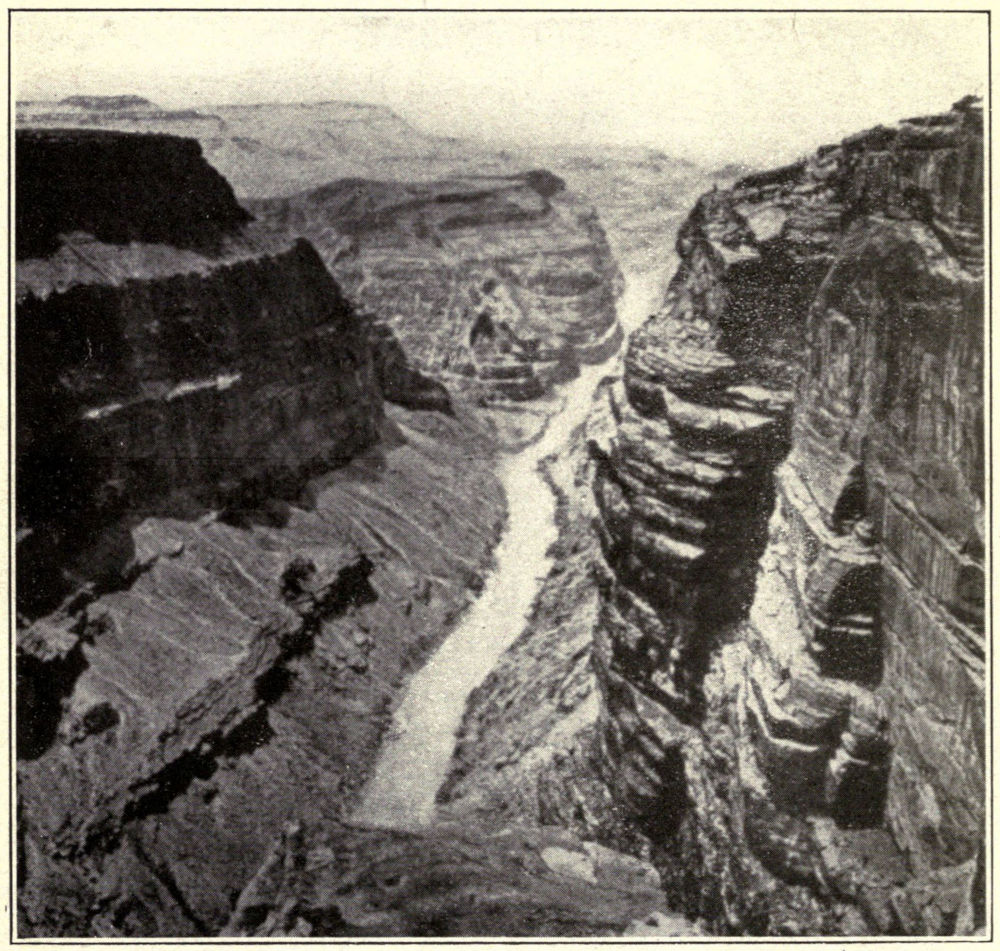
[
  {"x": 230, "y": 555},
  {"x": 790, "y": 653},
  {"x": 499, "y": 286},
  {"x": 450, "y": 881},
  {"x": 242, "y": 680}
]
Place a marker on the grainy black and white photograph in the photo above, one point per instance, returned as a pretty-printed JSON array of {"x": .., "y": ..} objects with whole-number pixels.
[{"x": 499, "y": 474}]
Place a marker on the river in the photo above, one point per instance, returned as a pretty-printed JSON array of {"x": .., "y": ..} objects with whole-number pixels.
[{"x": 415, "y": 755}]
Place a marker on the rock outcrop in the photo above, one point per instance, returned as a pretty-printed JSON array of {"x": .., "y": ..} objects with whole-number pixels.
[
  {"x": 449, "y": 881},
  {"x": 230, "y": 551},
  {"x": 499, "y": 286},
  {"x": 791, "y": 507},
  {"x": 118, "y": 188}
]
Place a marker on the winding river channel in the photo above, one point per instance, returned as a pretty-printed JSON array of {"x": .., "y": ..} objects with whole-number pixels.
[{"x": 418, "y": 747}]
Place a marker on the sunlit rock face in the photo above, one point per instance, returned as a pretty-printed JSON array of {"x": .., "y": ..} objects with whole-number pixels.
[{"x": 791, "y": 653}]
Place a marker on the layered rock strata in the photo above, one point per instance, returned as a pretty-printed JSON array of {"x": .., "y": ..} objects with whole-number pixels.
[
  {"x": 231, "y": 553},
  {"x": 499, "y": 286},
  {"x": 162, "y": 379},
  {"x": 791, "y": 513}
]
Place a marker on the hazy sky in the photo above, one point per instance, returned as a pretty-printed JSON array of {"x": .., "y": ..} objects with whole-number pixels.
[{"x": 715, "y": 86}]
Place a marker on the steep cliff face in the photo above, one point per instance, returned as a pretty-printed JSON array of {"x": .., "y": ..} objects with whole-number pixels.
[
  {"x": 791, "y": 649},
  {"x": 499, "y": 286},
  {"x": 230, "y": 552},
  {"x": 159, "y": 376},
  {"x": 118, "y": 188}
]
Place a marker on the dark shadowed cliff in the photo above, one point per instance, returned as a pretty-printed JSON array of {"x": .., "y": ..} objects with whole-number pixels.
[
  {"x": 225, "y": 559},
  {"x": 119, "y": 189}
]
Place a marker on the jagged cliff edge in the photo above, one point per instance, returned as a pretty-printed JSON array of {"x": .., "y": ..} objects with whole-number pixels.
[{"x": 791, "y": 650}]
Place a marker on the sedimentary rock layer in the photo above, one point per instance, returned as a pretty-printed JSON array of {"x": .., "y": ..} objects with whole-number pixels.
[
  {"x": 282, "y": 148},
  {"x": 230, "y": 554},
  {"x": 160, "y": 381},
  {"x": 791, "y": 656},
  {"x": 118, "y": 188},
  {"x": 499, "y": 286}
]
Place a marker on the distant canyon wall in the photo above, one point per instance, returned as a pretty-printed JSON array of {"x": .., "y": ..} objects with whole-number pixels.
[
  {"x": 267, "y": 149},
  {"x": 500, "y": 286},
  {"x": 791, "y": 649}
]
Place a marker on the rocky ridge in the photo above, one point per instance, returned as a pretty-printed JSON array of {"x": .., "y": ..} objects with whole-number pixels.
[
  {"x": 791, "y": 650},
  {"x": 63, "y": 185},
  {"x": 218, "y": 519},
  {"x": 449, "y": 881},
  {"x": 498, "y": 286}
]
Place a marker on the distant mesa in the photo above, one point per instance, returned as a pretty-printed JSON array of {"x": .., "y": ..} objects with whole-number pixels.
[{"x": 108, "y": 103}]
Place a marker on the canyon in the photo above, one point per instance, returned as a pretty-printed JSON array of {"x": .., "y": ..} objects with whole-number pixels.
[
  {"x": 780, "y": 677},
  {"x": 365, "y": 588},
  {"x": 240, "y": 530},
  {"x": 814, "y": 377}
]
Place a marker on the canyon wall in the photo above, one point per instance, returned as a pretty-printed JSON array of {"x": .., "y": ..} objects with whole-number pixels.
[
  {"x": 230, "y": 549},
  {"x": 118, "y": 188},
  {"x": 790, "y": 487},
  {"x": 499, "y": 286}
]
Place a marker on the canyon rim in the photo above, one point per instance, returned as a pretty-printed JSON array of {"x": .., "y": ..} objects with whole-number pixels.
[{"x": 500, "y": 475}]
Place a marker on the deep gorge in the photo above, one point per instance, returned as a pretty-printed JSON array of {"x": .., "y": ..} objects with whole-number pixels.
[
  {"x": 790, "y": 513},
  {"x": 262, "y": 480}
]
